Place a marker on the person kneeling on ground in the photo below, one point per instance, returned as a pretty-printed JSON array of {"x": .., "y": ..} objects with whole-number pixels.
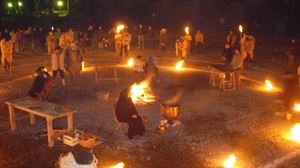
[
  {"x": 42, "y": 85},
  {"x": 125, "y": 112}
]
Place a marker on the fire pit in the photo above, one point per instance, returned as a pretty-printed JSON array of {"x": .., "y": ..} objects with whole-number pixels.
[{"x": 170, "y": 111}]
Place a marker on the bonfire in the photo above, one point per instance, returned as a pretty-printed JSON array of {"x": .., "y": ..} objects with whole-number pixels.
[{"x": 141, "y": 93}]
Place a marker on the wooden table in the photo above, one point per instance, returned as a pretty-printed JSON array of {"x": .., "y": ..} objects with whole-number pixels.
[{"x": 44, "y": 109}]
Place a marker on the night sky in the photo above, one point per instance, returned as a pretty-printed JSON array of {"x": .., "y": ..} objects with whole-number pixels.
[{"x": 280, "y": 15}]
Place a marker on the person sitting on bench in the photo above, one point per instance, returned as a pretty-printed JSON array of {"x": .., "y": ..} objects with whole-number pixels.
[
  {"x": 42, "y": 85},
  {"x": 125, "y": 112}
]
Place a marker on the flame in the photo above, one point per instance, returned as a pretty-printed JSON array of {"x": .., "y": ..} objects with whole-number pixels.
[
  {"x": 130, "y": 62},
  {"x": 241, "y": 28},
  {"x": 179, "y": 65},
  {"x": 230, "y": 162},
  {"x": 187, "y": 30},
  {"x": 120, "y": 28},
  {"x": 269, "y": 85},
  {"x": 295, "y": 133},
  {"x": 297, "y": 107},
  {"x": 141, "y": 93},
  {"x": 45, "y": 69},
  {"x": 52, "y": 28},
  {"x": 119, "y": 165},
  {"x": 83, "y": 65}
]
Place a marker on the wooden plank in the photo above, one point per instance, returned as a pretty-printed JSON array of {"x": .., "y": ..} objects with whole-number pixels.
[
  {"x": 42, "y": 108},
  {"x": 50, "y": 132},
  {"x": 12, "y": 119},
  {"x": 70, "y": 121}
]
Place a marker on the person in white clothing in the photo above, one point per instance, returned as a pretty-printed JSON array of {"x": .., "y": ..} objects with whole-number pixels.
[{"x": 58, "y": 62}]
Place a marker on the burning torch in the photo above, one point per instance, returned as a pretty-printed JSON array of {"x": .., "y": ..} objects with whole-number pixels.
[
  {"x": 187, "y": 30},
  {"x": 241, "y": 29}
]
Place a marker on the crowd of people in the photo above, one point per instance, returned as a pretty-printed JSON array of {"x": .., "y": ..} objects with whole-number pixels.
[{"x": 66, "y": 50}]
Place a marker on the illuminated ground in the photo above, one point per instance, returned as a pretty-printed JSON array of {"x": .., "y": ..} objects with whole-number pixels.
[{"x": 214, "y": 125}]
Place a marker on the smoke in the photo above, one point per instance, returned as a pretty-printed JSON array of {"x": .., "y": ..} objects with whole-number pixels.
[{"x": 175, "y": 99}]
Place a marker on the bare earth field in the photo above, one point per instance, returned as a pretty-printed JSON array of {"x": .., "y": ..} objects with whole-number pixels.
[{"x": 214, "y": 124}]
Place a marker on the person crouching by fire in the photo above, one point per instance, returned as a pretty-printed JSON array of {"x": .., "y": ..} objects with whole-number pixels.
[
  {"x": 236, "y": 66},
  {"x": 42, "y": 85},
  {"x": 126, "y": 112}
]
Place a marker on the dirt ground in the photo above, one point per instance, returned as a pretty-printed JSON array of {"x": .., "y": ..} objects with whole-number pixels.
[{"x": 214, "y": 124}]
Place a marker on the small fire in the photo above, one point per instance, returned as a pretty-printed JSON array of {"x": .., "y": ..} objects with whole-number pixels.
[
  {"x": 187, "y": 30},
  {"x": 230, "y": 162},
  {"x": 52, "y": 28},
  {"x": 241, "y": 28},
  {"x": 297, "y": 107},
  {"x": 83, "y": 65},
  {"x": 269, "y": 85},
  {"x": 119, "y": 165},
  {"x": 130, "y": 62},
  {"x": 295, "y": 133},
  {"x": 179, "y": 65},
  {"x": 141, "y": 93},
  {"x": 45, "y": 69},
  {"x": 120, "y": 28}
]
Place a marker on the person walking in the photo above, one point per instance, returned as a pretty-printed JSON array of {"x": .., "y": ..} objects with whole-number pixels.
[
  {"x": 51, "y": 43},
  {"x": 141, "y": 37},
  {"x": 58, "y": 64},
  {"x": 7, "y": 52},
  {"x": 199, "y": 41}
]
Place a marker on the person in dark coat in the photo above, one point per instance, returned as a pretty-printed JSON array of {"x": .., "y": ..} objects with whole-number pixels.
[
  {"x": 228, "y": 54},
  {"x": 126, "y": 112},
  {"x": 41, "y": 85}
]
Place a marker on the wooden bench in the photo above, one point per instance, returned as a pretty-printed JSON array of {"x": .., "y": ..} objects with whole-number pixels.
[
  {"x": 47, "y": 110},
  {"x": 218, "y": 74}
]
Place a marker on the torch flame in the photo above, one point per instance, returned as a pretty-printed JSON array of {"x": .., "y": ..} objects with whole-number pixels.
[
  {"x": 230, "y": 162},
  {"x": 297, "y": 107},
  {"x": 241, "y": 28},
  {"x": 141, "y": 93},
  {"x": 119, "y": 165},
  {"x": 120, "y": 28},
  {"x": 187, "y": 30},
  {"x": 295, "y": 133},
  {"x": 179, "y": 65},
  {"x": 269, "y": 85},
  {"x": 130, "y": 62}
]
